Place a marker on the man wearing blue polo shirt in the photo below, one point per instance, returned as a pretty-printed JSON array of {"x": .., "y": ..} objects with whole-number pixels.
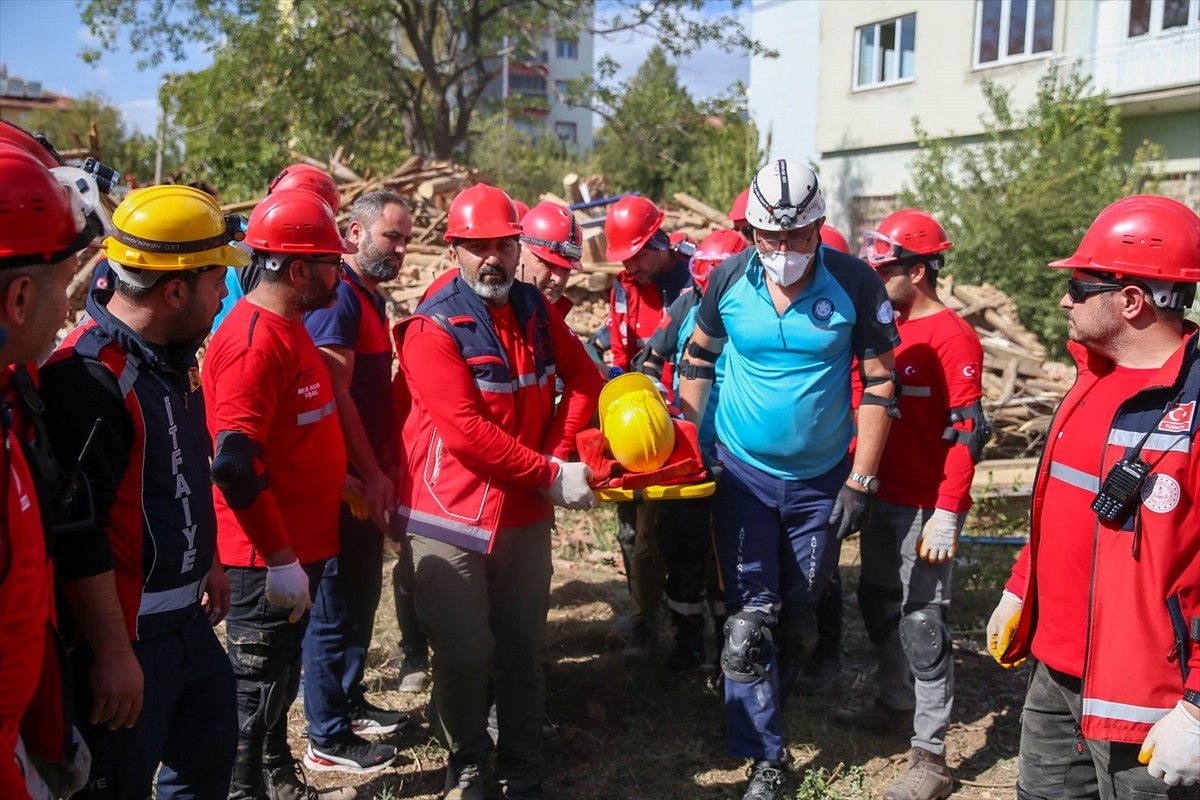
[{"x": 797, "y": 315}]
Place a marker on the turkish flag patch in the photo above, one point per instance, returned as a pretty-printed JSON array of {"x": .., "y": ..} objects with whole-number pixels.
[{"x": 1178, "y": 417}]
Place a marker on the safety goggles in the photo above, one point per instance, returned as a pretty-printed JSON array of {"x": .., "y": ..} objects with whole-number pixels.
[
  {"x": 877, "y": 249},
  {"x": 569, "y": 250},
  {"x": 1079, "y": 290}
]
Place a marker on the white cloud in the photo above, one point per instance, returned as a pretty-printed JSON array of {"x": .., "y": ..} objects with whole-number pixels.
[
  {"x": 142, "y": 115},
  {"x": 84, "y": 34}
]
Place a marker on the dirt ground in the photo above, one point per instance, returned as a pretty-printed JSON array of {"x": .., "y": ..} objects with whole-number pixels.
[{"x": 641, "y": 735}]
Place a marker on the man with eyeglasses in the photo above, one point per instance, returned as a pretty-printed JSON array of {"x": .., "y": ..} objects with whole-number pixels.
[
  {"x": 483, "y": 465},
  {"x": 279, "y": 470},
  {"x": 910, "y": 538},
  {"x": 137, "y": 562},
  {"x": 796, "y": 316},
  {"x": 1106, "y": 594},
  {"x": 353, "y": 338}
]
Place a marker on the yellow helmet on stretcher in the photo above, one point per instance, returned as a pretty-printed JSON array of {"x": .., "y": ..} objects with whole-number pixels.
[{"x": 635, "y": 422}]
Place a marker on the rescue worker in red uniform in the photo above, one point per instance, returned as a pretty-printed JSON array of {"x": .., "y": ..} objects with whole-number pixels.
[
  {"x": 41, "y": 232},
  {"x": 656, "y": 272},
  {"x": 484, "y": 451},
  {"x": 551, "y": 245},
  {"x": 123, "y": 400},
  {"x": 909, "y": 540},
  {"x": 1106, "y": 594},
  {"x": 279, "y": 469}
]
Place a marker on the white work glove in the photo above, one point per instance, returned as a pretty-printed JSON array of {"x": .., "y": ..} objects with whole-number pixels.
[
  {"x": 1001, "y": 626},
  {"x": 939, "y": 537},
  {"x": 1172, "y": 748},
  {"x": 287, "y": 586},
  {"x": 571, "y": 488}
]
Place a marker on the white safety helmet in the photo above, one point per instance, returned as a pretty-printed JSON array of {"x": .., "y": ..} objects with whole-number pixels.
[{"x": 784, "y": 196}]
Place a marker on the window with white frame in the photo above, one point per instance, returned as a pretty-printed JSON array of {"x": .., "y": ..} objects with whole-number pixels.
[
  {"x": 885, "y": 51},
  {"x": 1011, "y": 29},
  {"x": 568, "y": 50},
  {"x": 1156, "y": 16}
]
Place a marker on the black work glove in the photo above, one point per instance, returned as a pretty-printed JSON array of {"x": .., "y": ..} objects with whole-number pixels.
[{"x": 851, "y": 508}]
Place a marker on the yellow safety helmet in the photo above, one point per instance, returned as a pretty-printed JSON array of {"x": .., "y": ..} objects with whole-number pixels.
[
  {"x": 635, "y": 422},
  {"x": 165, "y": 228}
]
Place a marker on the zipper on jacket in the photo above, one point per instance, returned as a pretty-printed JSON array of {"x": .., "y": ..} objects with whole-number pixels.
[{"x": 1078, "y": 739}]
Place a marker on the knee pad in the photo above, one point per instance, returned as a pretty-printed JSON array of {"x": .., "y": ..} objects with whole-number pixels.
[
  {"x": 748, "y": 643},
  {"x": 926, "y": 642},
  {"x": 880, "y": 608}
]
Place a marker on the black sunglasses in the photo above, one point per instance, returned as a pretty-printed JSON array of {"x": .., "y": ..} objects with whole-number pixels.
[{"x": 1079, "y": 290}]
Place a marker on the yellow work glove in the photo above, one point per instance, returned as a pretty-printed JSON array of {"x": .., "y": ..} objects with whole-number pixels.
[
  {"x": 354, "y": 495},
  {"x": 1001, "y": 626}
]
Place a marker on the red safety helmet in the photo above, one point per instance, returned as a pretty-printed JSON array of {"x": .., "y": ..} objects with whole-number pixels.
[
  {"x": 553, "y": 235},
  {"x": 832, "y": 237},
  {"x": 314, "y": 179},
  {"x": 41, "y": 220},
  {"x": 713, "y": 249},
  {"x": 903, "y": 234},
  {"x": 295, "y": 221},
  {"x": 40, "y": 149},
  {"x": 1145, "y": 236},
  {"x": 631, "y": 222},
  {"x": 737, "y": 212},
  {"x": 522, "y": 209},
  {"x": 482, "y": 212}
]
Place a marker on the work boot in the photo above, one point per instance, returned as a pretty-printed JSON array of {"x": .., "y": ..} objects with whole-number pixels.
[
  {"x": 766, "y": 780},
  {"x": 288, "y": 782},
  {"x": 876, "y": 718},
  {"x": 928, "y": 778},
  {"x": 642, "y": 642},
  {"x": 463, "y": 781},
  {"x": 414, "y": 674}
]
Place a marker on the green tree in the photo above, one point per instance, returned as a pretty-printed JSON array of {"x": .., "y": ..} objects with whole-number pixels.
[
  {"x": 121, "y": 148},
  {"x": 512, "y": 159},
  {"x": 1026, "y": 193},
  {"x": 364, "y": 69}
]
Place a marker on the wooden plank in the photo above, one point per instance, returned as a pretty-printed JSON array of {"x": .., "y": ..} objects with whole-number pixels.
[
  {"x": 710, "y": 214},
  {"x": 1004, "y": 478}
]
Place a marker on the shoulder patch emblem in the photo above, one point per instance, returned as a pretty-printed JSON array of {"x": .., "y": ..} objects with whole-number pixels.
[
  {"x": 822, "y": 309},
  {"x": 1178, "y": 418},
  {"x": 1160, "y": 494},
  {"x": 884, "y": 313}
]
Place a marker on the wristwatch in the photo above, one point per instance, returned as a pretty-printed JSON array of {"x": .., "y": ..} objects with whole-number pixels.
[{"x": 869, "y": 483}]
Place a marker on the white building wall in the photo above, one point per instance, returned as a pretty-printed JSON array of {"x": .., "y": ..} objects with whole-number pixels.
[
  {"x": 783, "y": 90},
  {"x": 565, "y": 69}
]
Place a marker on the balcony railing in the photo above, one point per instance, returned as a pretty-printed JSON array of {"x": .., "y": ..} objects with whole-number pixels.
[{"x": 1145, "y": 64}]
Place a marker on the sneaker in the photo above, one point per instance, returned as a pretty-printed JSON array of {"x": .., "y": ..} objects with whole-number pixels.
[
  {"x": 642, "y": 641},
  {"x": 353, "y": 754},
  {"x": 928, "y": 778},
  {"x": 766, "y": 780},
  {"x": 288, "y": 782},
  {"x": 367, "y": 719},
  {"x": 414, "y": 676},
  {"x": 463, "y": 782},
  {"x": 876, "y": 718},
  {"x": 818, "y": 675}
]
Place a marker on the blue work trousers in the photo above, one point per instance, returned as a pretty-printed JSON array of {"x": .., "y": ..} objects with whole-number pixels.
[
  {"x": 188, "y": 721},
  {"x": 339, "y": 630},
  {"x": 776, "y": 551}
]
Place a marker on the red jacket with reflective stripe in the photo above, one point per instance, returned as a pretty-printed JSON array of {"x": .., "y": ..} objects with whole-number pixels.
[
  {"x": 463, "y": 457},
  {"x": 1145, "y": 589}
]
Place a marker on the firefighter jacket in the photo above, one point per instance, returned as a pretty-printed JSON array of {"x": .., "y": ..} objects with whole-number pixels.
[
  {"x": 469, "y": 465},
  {"x": 636, "y": 309},
  {"x": 145, "y": 493},
  {"x": 1141, "y": 648}
]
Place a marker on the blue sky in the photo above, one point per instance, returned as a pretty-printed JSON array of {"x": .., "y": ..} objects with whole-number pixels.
[{"x": 42, "y": 39}]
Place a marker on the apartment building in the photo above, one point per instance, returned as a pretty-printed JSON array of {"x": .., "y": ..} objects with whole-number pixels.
[{"x": 884, "y": 62}]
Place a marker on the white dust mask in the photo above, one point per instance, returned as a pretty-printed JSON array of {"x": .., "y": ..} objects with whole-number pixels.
[{"x": 785, "y": 267}]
